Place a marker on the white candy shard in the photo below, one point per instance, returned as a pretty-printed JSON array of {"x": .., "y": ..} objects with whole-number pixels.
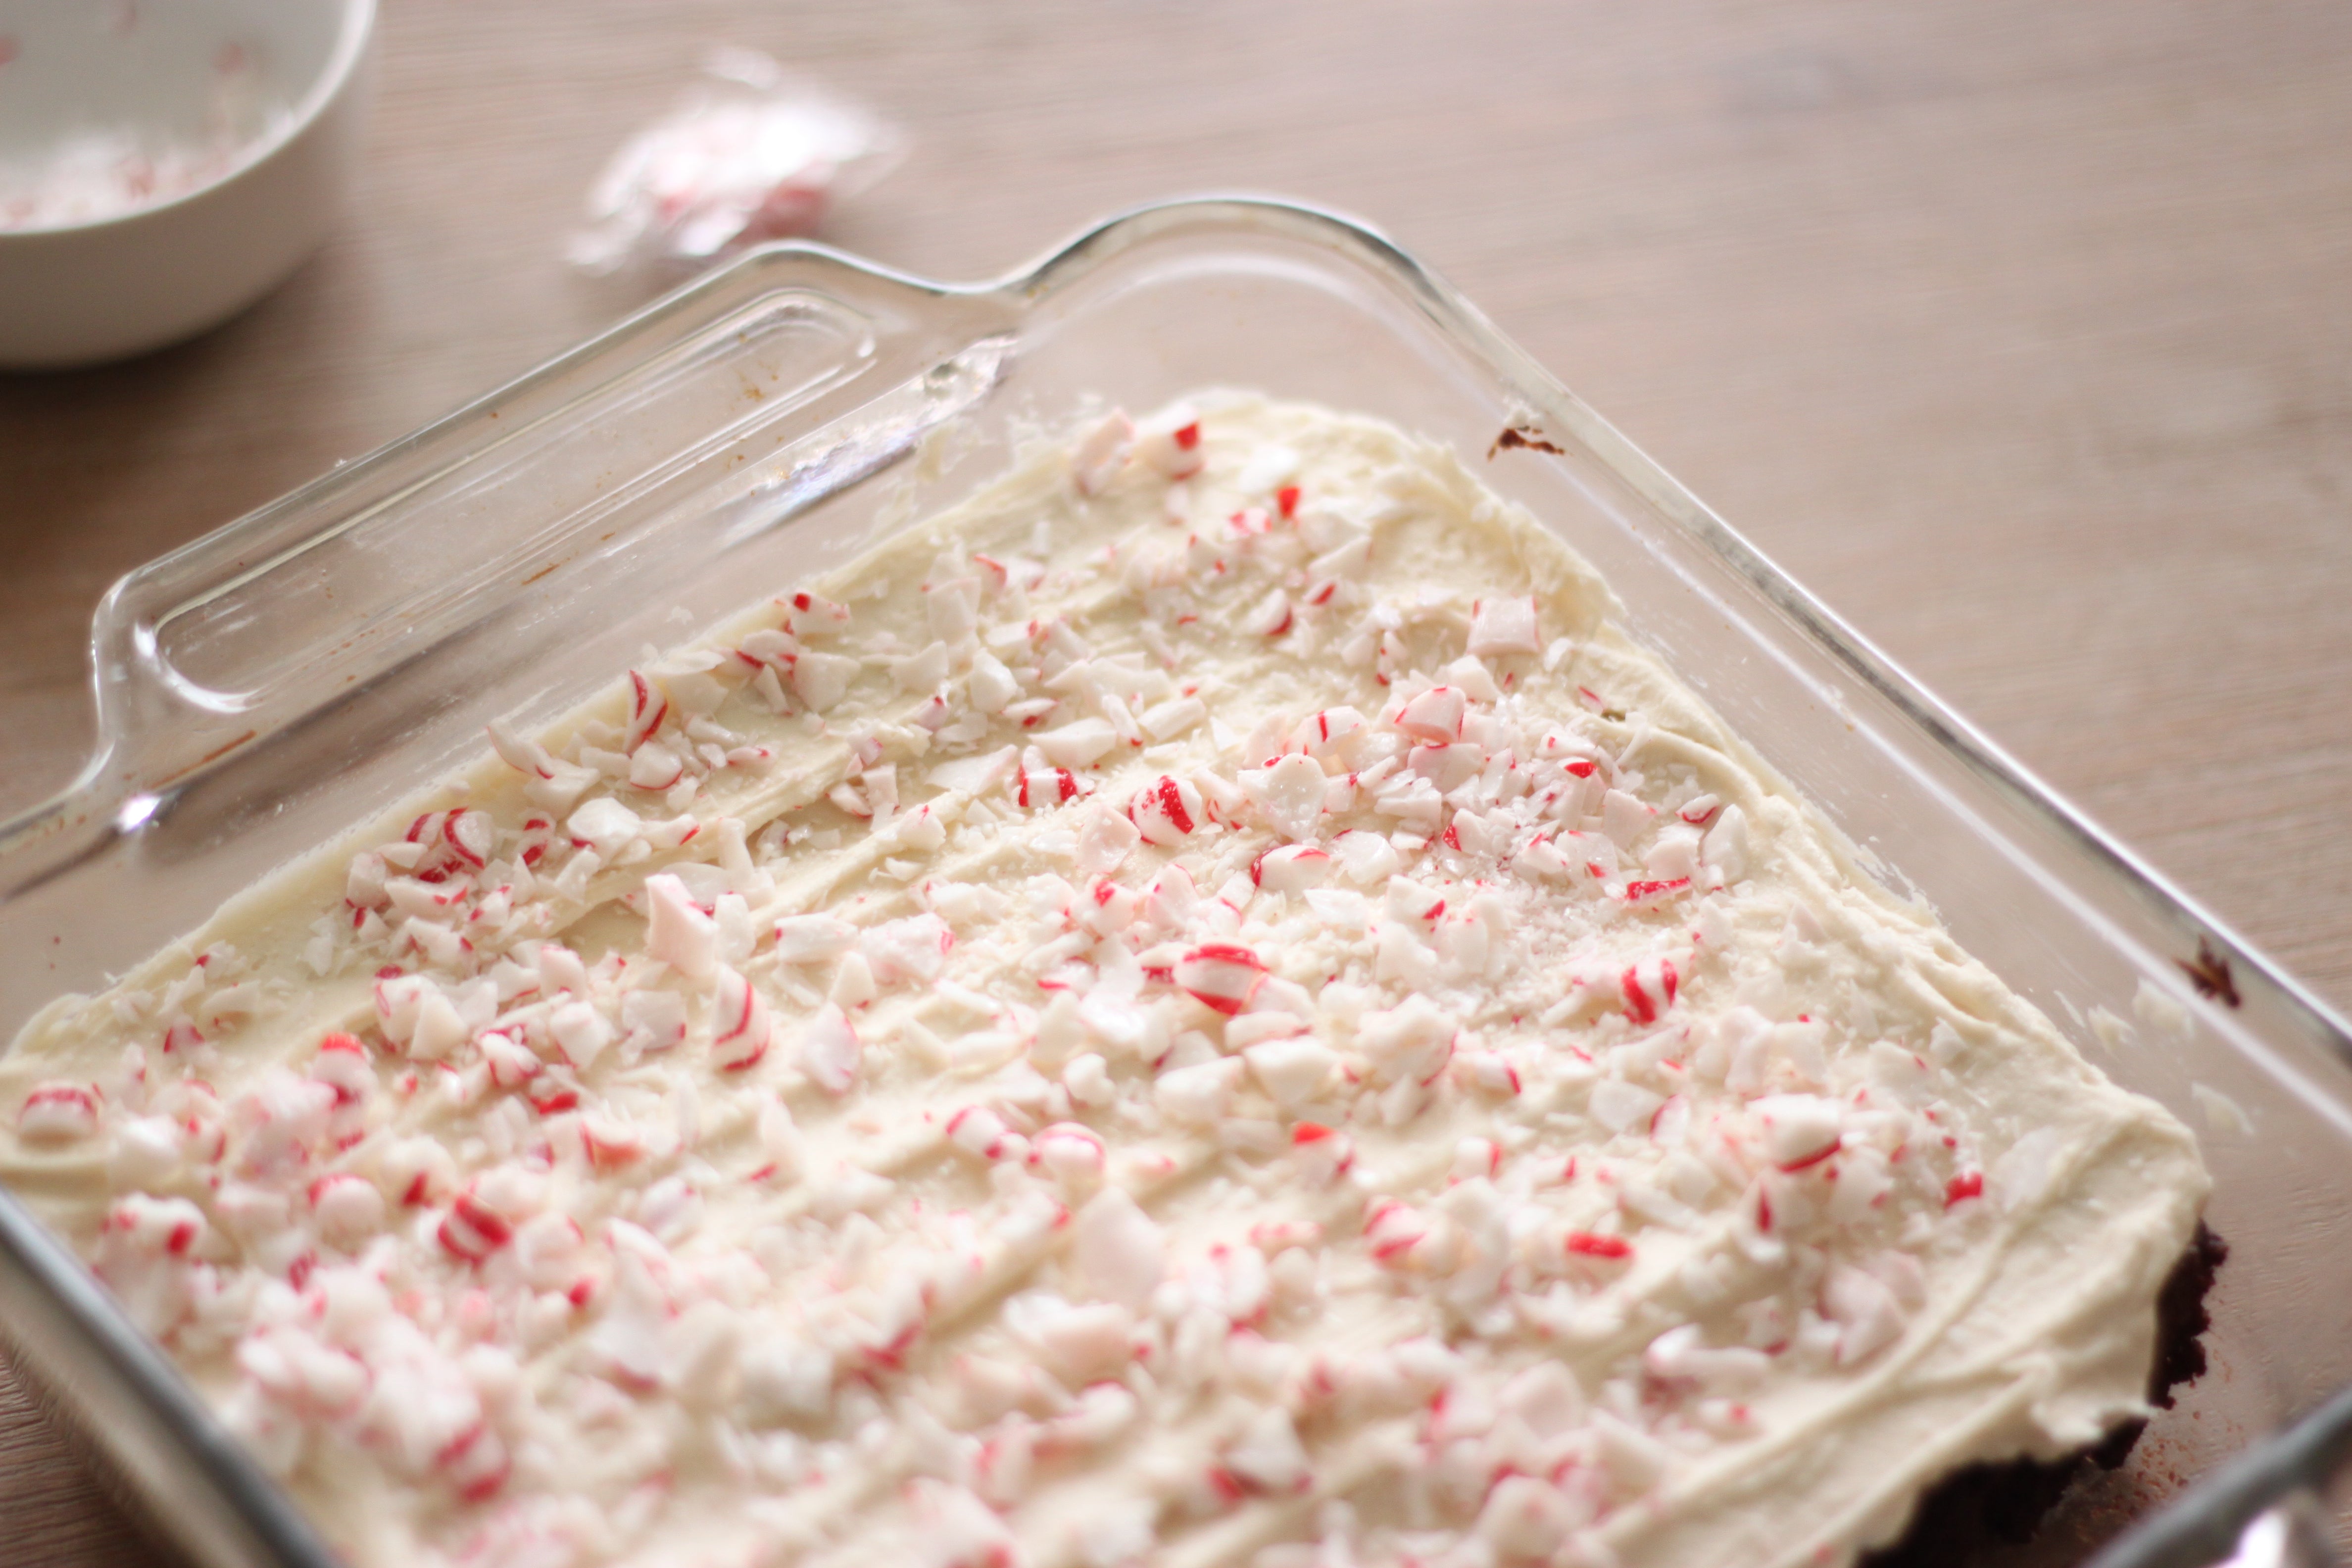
[
  {"x": 1681, "y": 1354},
  {"x": 604, "y": 824},
  {"x": 1623, "y": 817},
  {"x": 1117, "y": 1248},
  {"x": 1367, "y": 859},
  {"x": 813, "y": 938},
  {"x": 1290, "y": 794},
  {"x": 1097, "y": 454},
  {"x": 1503, "y": 624},
  {"x": 1624, "y": 1107},
  {"x": 1077, "y": 744},
  {"x": 1177, "y": 716},
  {"x": 1867, "y": 1314},
  {"x": 1525, "y": 1520},
  {"x": 1724, "y": 847},
  {"x": 821, "y": 679},
  {"x": 829, "y": 1051},
  {"x": 1291, "y": 1071},
  {"x": 1411, "y": 1042},
  {"x": 911, "y": 950},
  {"x": 1197, "y": 1096},
  {"x": 1079, "y": 1343},
  {"x": 1268, "y": 1456}
]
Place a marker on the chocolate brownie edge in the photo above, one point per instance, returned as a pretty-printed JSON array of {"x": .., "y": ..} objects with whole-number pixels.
[{"x": 2004, "y": 1503}]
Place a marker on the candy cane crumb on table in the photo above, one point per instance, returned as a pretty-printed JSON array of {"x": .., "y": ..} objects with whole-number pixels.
[{"x": 1210, "y": 1005}]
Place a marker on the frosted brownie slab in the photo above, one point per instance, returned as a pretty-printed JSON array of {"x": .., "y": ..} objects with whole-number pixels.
[{"x": 1206, "y": 1006}]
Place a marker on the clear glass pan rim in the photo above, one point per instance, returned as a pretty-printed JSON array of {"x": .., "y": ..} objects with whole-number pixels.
[{"x": 106, "y": 801}]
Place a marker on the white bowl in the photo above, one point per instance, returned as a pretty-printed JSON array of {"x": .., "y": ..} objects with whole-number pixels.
[{"x": 164, "y": 163}]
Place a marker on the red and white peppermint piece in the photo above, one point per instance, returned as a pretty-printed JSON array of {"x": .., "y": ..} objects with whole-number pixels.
[
  {"x": 1271, "y": 615},
  {"x": 740, "y": 1025},
  {"x": 512, "y": 1063},
  {"x": 520, "y": 752},
  {"x": 1800, "y": 1130},
  {"x": 470, "y": 836},
  {"x": 472, "y": 1229},
  {"x": 1167, "y": 811},
  {"x": 654, "y": 767},
  {"x": 1073, "y": 1153},
  {"x": 1650, "y": 895},
  {"x": 1170, "y": 442},
  {"x": 1434, "y": 715},
  {"x": 1649, "y": 988},
  {"x": 343, "y": 1063},
  {"x": 812, "y": 616},
  {"x": 1699, "y": 810},
  {"x": 611, "y": 1143},
  {"x": 678, "y": 931},
  {"x": 477, "y": 1464},
  {"x": 1292, "y": 869},
  {"x": 1034, "y": 789},
  {"x": 978, "y": 1130},
  {"x": 58, "y": 1112},
  {"x": 1597, "y": 1245},
  {"x": 1221, "y": 976},
  {"x": 648, "y": 705},
  {"x": 1323, "y": 1156}
]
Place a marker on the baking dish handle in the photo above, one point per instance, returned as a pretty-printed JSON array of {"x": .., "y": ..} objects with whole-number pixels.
[{"x": 816, "y": 368}]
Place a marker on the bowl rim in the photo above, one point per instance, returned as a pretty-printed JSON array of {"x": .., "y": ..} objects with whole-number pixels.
[{"x": 355, "y": 31}]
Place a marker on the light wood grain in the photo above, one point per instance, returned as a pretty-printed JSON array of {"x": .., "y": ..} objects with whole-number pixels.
[{"x": 2021, "y": 333}]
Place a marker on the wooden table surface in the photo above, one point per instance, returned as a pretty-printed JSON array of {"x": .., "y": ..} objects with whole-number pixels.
[{"x": 2023, "y": 333}]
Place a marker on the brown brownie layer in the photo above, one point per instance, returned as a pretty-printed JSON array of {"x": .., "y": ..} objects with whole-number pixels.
[{"x": 1987, "y": 1506}]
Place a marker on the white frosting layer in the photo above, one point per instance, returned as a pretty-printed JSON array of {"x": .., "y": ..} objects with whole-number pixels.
[{"x": 1207, "y": 1007}]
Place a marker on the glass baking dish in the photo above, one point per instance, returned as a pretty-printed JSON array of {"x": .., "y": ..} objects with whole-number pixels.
[{"x": 314, "y": 662}]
